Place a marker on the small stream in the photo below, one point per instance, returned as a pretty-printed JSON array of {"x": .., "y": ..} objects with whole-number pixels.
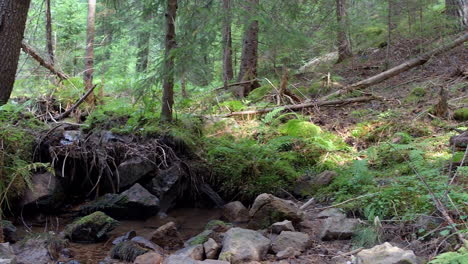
[{"x": 190, "y": 222}]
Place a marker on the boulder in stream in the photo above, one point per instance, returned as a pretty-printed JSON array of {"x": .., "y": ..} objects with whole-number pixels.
[
  {"x": 134, "y": 203},
  {"x": 194, "y": 252},
  {"x": 268, "y": 209},
  {"x": 90, "y": 228},
  {"x": 40, "y": 249},
  {"x": 244, "y": 245},
  {"x": 167, "y": 236},
  {"x": 128, "y": 251},
  {"x": 211, "y": 248},
  {"x": 297, "y": 240},
  {"x": 133, "y": 170},
  {"x": 236, "y": 212}
]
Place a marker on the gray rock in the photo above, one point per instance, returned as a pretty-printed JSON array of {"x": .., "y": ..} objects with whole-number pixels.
[
  {"x": 149, "y": 258},
  {"x": 287, "y": 253},
  {"x": 211, "y": 249},
  {"x": 297, "y": 240},
  {"x": 166, "y": 185},
  {"x": 309, "y": 184},
  {"x": 268, "y": 209},
  {"x": 236, "y": 212},
  {"x": 145, "y": 243},
  {"x": 134, "y": 203},
  {"x": 243, "y": 245},
  {"x": 332, "y": 212},
  {"x": 167, "y": 236},
  {"x": 337, "y": 228},
  {"x": 90, "y": 228},
  {"x": 279, "y": 227},
  {"x": 386, "y": 254},
  {"x": 7, "y": 256},
  {"x": 70, "y": 137},
  {"x": 193, "y": 252},
  {"x": 212, "y": 261},
  {"x": 46, "y": 195},
  {"x": 41, "y": 249},
  {"x": 129, "y": 235},
  {"x": 176, "y": 259},
  {"x": 133, "y": 170}
]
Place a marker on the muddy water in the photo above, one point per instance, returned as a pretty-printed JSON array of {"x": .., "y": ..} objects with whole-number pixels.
[{"x": 190, "y": 222}]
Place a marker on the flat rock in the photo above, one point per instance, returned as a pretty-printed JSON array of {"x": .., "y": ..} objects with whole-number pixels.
[
  {"x": 337, "y": 228},
  {"x": 167, "y": 236},
  {"x": 268, "y": 209},
  {"x": 386, "y": 254},
  {"x": 332, "y": 212},
  {"x": 297, "y": 240},
  {"x": 279, "y": 227},
  {"x": 90, "y": 228},
  {"x": 134, "y": 203},
  {"x": 236, "y": 212},
  {"x": 243, "y": 245}
]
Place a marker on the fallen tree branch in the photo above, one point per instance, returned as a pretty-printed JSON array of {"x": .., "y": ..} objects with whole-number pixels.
[
  {"x": 306, "y": 105},
  {"x": 407, "y": 65},
  {"x": 235, "y": 84},
  {"x": 31, "y": 52},
  {"x": 73, "y": 107}
]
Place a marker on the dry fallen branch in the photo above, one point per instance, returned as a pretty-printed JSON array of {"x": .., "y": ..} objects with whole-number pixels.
[
  {"x": 307, "y": 105},
  {"x": 71, "y": 109},
  {"x": 407, "y": 65},
  {"x": 31, "y": 52},
  {"x": 236, "y": 84}
]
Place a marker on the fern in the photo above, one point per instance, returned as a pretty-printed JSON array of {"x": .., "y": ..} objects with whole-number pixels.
[
  {"x": 271, "y": 115},
  {"x": 458, "y": 257}
]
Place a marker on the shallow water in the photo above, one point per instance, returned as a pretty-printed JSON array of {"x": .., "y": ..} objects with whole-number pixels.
[{"x": 190, "y": 222}]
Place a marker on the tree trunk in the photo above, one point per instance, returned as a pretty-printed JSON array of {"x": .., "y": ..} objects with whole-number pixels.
[
  {"x": 144, "y": 37},
  {"x": 168, "y": 82},
  {"x": 344, "y": 45},
  {"x": 50, "y": 45},
  {"x": 89, "y": 56},
  {"x": 228, "y": 72},
  {"x": 248, "y": 65},
  {"x": 458, "y": 9},
  {"x": 13, "y": 15}
]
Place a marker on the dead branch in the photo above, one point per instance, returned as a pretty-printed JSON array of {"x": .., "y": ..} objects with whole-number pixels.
[
  {"x": 306, "y": 105},
  {"x": 31, "y": 52},
  {"x": 73, "y": 107},
  {"x": 407, "y": 65}
]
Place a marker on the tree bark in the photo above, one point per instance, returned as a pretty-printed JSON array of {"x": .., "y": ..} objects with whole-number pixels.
[
  {"x": 31, "y": 52},
  {"x": 458, "y": 10},
  {"x": 344, "y": 45},
  {"x": 419, "y": 60},
  {"x": 228, "y": 73},
  {"x": 170, "y": 45},
  {"x": 89, "y": 56},
  {"x": 144, "y": 37},
  {"x": 249, "y": 59},
  {"x": 13, "y": 16},
  {"x": 50, "y": 45}
]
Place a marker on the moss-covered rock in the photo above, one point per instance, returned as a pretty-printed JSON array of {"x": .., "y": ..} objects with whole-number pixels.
[
  {"x": 268, "y": 209},
  {"x": 91, "y": 228},
  {"x": 127, "y": 251},
  {"x": 461, "y": 114}
]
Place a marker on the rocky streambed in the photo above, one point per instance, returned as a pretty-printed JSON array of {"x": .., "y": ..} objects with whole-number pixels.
[{"x": 121, "y": 199}]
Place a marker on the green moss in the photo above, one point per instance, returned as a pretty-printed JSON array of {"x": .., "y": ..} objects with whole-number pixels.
[
  {"x": 461, "y": 114},
  {"x": 213, "y": 224},
  {"x": 91, "y": 227},
  {"x": 259, "y": 93},
  {"x": 127, "y": 251}
]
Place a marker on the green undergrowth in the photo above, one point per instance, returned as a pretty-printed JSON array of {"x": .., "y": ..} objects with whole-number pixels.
[
  {"x": 16, "y": 147},
  {"x": 390, "y": 178}
]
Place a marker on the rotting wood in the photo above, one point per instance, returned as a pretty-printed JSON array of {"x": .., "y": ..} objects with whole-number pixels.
[
  {"x": 73, "y": 107},
  {"x": 31, "y": 52},
  {"x": 306, "y": 105},
  {"x": 407, "y": 65}
]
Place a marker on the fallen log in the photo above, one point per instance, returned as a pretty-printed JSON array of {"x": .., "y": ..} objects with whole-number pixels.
[
  {"x": 236, "y": 84},
  {"x": 306, "y": 105},
  {"x": 73, "y": 107},
  {"x": 31, "y": 52},
  {"x": 407, "y": 65}
]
